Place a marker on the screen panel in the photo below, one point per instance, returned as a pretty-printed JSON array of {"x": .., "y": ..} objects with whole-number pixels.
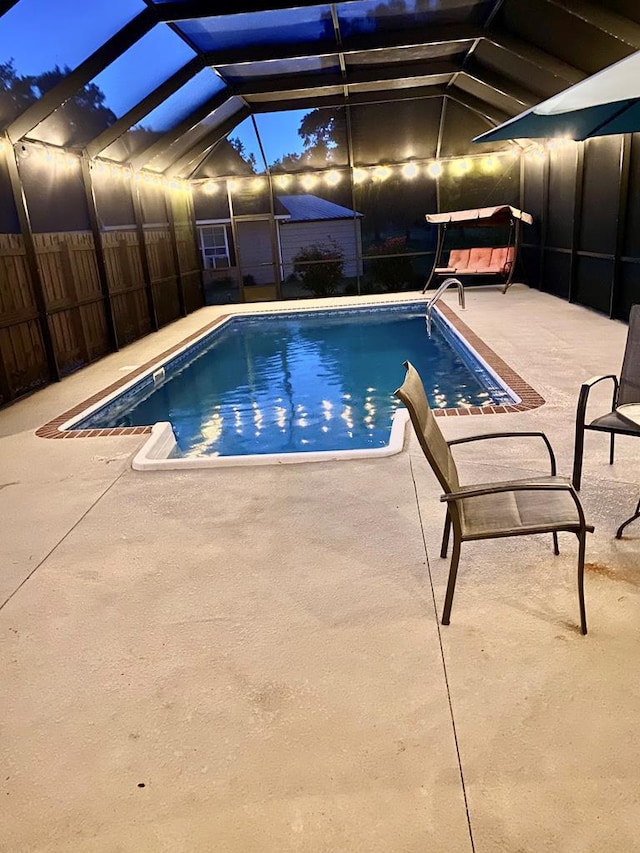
[
  {"x": 555, "y": 273},
  {"x": 593, "y": 283},
  {"x": 601, "y": 184},
  {"x": 560, "y": 209}
]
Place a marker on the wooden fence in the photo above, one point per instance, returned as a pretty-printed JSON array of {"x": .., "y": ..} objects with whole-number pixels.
[{"x": 76, "y": 308}]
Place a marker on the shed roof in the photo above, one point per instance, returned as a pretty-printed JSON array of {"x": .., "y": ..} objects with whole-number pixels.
[{"x": 311, "y": 208}]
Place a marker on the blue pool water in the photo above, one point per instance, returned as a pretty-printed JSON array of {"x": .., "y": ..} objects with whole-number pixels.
[{"x": 321, "y": 381}]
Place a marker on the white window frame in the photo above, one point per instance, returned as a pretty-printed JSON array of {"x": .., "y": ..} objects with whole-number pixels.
[{"x": 216, "y": 257}]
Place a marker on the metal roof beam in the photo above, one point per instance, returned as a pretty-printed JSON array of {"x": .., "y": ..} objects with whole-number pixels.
[
  {"x": 566, "y": 74},
  {"x": 522, "y": 98},
  {"x": 597, "y": 15},
  {"x": 378, "y": 40},
  {"x": 490, "y": 114},
  {"x": 83, "y": 74},
  {"x": 144, "y": 107},
  {"x": 290, "y": 82},
  {"x": 6, "y": 5},
  {"x": 201, "y": 149},
  {"x": 146, "y": 155},
  {"x": 183, "y": 11}
]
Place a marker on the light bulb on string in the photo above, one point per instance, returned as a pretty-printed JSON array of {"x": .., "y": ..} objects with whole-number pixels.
[
  {"x": 381, "y": 173},
  {"x": 409, "y": 170}
]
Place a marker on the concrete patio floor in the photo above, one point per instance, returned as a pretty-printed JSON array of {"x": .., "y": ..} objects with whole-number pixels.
[{"x": 250, "y": 660}]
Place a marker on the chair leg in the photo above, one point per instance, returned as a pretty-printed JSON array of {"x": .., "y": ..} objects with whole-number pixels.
[
  {"x": 582, "y": 539},
  {"x": 577, "y": 456},
  {"x": 451, "y": 585},
  {"x": 612, "y": 447},
  {"x": 556, "y": 550},
  {"x": 445, "y": 536},
  {"x": 635, "y": 515}
]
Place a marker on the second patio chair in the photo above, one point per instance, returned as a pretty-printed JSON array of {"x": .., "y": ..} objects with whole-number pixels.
[
  {"x": 627, "y": 390},
  {"x": 546, "y": 504}
]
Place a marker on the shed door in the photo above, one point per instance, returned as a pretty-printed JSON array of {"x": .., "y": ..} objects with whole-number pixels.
[{"x": 255, "y": 252}]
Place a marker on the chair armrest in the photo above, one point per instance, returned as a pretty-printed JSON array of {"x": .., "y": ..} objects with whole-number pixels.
[
  {"x": 586, "y": 387},
  {"x": 595, "y": 379},
  {"x": 497, "y": 488},
  {"x": 541, "y": 435},
  {"x": 530, "y": 486}
]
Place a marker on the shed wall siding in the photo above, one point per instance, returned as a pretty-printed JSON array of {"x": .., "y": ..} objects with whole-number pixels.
[{"x": 296, "y": 235}]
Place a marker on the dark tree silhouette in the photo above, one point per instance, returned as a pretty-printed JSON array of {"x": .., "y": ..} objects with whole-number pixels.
[
  {"x": 323, "y": 134},
  {"x": 79, "y": 119}
]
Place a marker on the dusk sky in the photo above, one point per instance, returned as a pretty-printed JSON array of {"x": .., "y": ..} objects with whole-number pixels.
[{"x": 40, "y": 34}]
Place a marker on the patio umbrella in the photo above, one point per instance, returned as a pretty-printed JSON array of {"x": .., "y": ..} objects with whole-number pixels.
[{"x": 606, "y": 103}]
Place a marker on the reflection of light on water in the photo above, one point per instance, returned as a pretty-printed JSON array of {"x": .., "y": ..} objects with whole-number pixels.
[
  {"x": 212, "y": 429},
  {"x": 370, "y": 390},
  {"x": 346, "y": 396},
  {"x": 347, "y": 417},
  {"x": 237, "y": 419},
  {"x": 304, "y": 441},
  {"x": 324, "y": 428},
  {"x": 302, "y": 422},
  {"x": 257, "y": 416},
  {"x": 281, "y": 416},
  {"x": 327, "y": 408}
]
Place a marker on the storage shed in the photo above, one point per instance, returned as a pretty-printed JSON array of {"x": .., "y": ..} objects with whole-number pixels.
[{"x": 310, "y": 220}]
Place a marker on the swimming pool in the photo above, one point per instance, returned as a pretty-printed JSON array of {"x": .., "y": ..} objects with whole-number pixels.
[{"x": 300, "y": 382}]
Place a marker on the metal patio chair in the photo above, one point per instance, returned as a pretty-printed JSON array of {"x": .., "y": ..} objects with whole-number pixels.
[
  {"x": 546, "y": 504},
  {"x": 626, "y": 390}
]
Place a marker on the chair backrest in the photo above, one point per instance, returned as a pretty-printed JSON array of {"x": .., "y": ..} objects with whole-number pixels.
[
  {"x": 432, "y": 442},
  {"x": 501, "y": 259},
  {"x": 459, "y": 258},
  {"x": 629, "y": 391},
  {"x": 479, "y": 258}
]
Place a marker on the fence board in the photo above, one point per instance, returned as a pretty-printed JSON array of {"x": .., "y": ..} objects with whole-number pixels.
[{"x": 22, "y": 359}]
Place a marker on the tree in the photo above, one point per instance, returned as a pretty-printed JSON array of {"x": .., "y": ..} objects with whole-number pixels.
[
  {"x": 250, "y": 159},
  {"x": 323, "y": 134},
  {"x": 79, "y": 119}
]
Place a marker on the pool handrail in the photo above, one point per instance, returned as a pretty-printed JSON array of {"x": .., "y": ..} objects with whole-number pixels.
[{"x": 448, "y": 282}]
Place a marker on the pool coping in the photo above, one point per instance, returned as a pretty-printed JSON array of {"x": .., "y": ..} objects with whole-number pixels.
[{"x": 160, "y": 441}]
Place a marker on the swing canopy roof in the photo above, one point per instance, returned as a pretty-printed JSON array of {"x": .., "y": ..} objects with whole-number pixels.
[{"x": 500, "y": 215}]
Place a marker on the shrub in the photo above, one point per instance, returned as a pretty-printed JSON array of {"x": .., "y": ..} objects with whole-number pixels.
[
  {"x": 392, "y": 273},
  {"x": 319, "y": 267}
]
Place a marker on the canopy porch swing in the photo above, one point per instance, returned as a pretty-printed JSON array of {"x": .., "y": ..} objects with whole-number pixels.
[{"x": 498, "y": 262}]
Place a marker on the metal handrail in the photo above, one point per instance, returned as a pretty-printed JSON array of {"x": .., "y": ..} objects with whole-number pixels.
[{"x": 448, "y": 282}]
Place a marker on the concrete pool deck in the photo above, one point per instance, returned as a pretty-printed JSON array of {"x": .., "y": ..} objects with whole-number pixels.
[{"x": 251, "y": 660}]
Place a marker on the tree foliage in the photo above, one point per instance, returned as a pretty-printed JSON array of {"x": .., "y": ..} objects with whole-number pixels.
[{"x": 320, "y": 268}]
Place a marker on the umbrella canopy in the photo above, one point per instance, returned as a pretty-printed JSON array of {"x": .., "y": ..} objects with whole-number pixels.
[{"x": 604, "y": 104}]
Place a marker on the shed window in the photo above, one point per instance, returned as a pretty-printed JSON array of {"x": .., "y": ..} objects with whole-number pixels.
[{"x": 215, "y": 247}]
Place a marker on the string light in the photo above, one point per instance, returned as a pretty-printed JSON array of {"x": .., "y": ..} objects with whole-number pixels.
[
  {"x": 381, "y": 173},
  {"x": 409, "y": 170},
  {"x": 461, "y": 167}
]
